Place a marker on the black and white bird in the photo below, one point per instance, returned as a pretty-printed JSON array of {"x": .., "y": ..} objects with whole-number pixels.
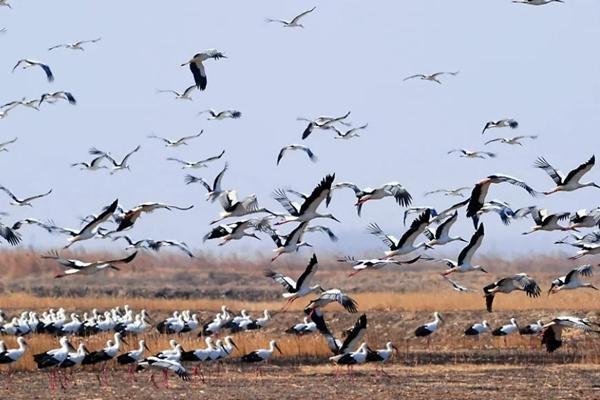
[
  {"x": 197, "y": 164},
  {"x": 185, "y": 95},
  {"x": 458, "y": 192},
  {"x": 348, "y": 133},
  {"x": 74, "y": 266},
  {"x": 26, "y": 201},
  {"x": 262, "y": 355},
  {"x": 569, "y": 182},
  {"x": 585, "y": 219},
  {"x": 516, "y": 140},
  {"x": 302, "y": 328},
  {"x": 374, "y": 263},
  {"x": 586, "y": 250},
  {"x": 117, "y": 166},
  {"x": 531, "y": 329},
  {"x": 473, "y": 154},
  {"x": 11, "y": 356},
  {"x": 441, "y": 235},
  {"x": 53, "y": 97},
  {"x": 233, "y": 207},
  {"x": 573, "y": 280},
  {"x": 332, "y": 296},
  {"x": 127, "y": 219},
  {"x": 4, "y": 144},
  {"x": 544, "y": 221},
  {"x": 508, "y": 329},
  {"x": 164, "y": 365},
  {"x": 233, "y": 231},
  {"x": 90, "y": 230},
  {"x": 182, "y": 141},
  {"x": 28, "y": 63},
  {"x": 308, "y": 210},
  {"x": 107, "y": 353},
  {"x": 503, "y": 123},
  {"x": 294, "y": 22},
  {"x": 221, "y": 115},
  {"x": 478, "y": 328},
  {"x": 352, "y": 336},
  {"x": 296, "y": 147},
  {"x": 322, "y": 122},
  {"x": 430, "y": 327},
  {"x": 54, "y": 357},
  {"x": 75, "y": 45},
  {"x": 457, "y": 286},
  {"x": 432, "y": 78},
  {"x": 390, "y": 189},
  {"x": 518, "y": 282},
  {"x": 197, "y": 66},
  {"x": 215, "y": 191},
  {"x": 406, "y": 243},
  {"x": 356, "y": 357},
  {"x": 381, "y": 356},
  {"x": 481, "y": 188},
  {"x": 537, "y": 2},
  {"x": 552, "y": 331},
  {"x": 94, "y": 165},
  {"x": 291, "y": 243},
  {"x": 300, "y": 288},
  {"x": 133, "y": 356},
  {"x": 10, "y": 234},
  {"x": 464, "y": 261}
]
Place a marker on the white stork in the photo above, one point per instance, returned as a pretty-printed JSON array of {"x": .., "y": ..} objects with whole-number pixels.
[
  {"x": 432, "y": 78},
  {"x": 548, "y": 222},
  {"x": 165, "y": 366},
  {"x": 430, "y": 327},
  {"x": 75, "y": 45},
  {"x": 301, "y": 287},
  {"x": 331, "y": 296},
  {"x": 516, "y": 140},
  {"x": 185, "y": 95},
  {"x": 473, "y": 154},
  {"x": 291, "y": 243},
  {"x": 503, "y": 123},
  {"x": 182, "y": 141},
  {"x": 233, "y": 231},
  {"x": 322, "y": 122},
  {"x": 390, "y": 189},
  {"x": 477, "y": 329},
  {"x": 214, "y": 191},
  {"x": 308, "y": 210},
  {"x": 79, "y": 267},
  {"x": 53, "y": 97},
  {"x": 463, "y": 263},
  {"x": 449, "y": 192},
  {"x": 522, "y": 282},
  {"x": 91, "y": 228},
  {"x": 441, "y": 235},
  {"x": 537, "y": 2},
  {"x": 26, "y": 201},
  {"x": 570, "y": 182},
  {"x": 374, "y": 263},
  {"x": 197, "y": 164},
  {"x": 197, "y": 67},
  {"x": 117, "y": 166},
  {"x": 28, "y": 63},
  {"x": 296, "y": 147},
  {"x": 406, "y": 243},
  {"x": 294, "y": 22},
  {"x": 572, "y": 280},
  {"x": 221, "y": 115},
  {"x": 552, "y": 331}
]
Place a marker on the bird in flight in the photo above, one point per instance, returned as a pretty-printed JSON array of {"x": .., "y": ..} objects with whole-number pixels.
[
  {"x": 513, "y": 140},
  {"x": 75, "y": 45},
  {"x": 28, "y": 63},
  {"x": 294, "y": 22},
  {"x": 432, "y": 77},
  {"x": 197, "y": 67},
  {"x": 185, "y": 95}
]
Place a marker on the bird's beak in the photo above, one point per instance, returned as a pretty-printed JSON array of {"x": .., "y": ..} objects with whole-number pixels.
[
  {"x": 124, "y": 341},
  {"x": 551, "y": 290},
  {"x": 309, "y": 245},
  {"x": 483, "y": 270},
  {"x": 234, "y": 345},
  {"x": 278, "y": 349},
  {"x": 146, "y": 347},
  {"x": 115, "y": 268},
  {"x": 335, "y": 219},
  {"x": 463, "y": 240}
]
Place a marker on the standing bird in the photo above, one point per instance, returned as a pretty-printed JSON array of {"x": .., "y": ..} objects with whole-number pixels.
[
  {"x": 429, "y": 328},
  {"x": 432, "y": 77},
  {"x": 390, "y": 189},
  {"x": 133, "y": 356},
  {"x": 197, "y": 164},
  {"x": 406, "y": 243},
  {"x": 381, "y": 356},
  {"x": 552, "y": 331},
  {"x": 296, "y": 147},
  {"x": 300, "y": 288},
  {"x": 294, "y": 22},
  {"x": 182, "y": 141},
  {"x": 512, "y": 141},
  {"x": 463, "y": 263},
  {"x": 477, "y": 329},
  {"x": 197, "y": 67},
  {"x": 503, "y": 123},
  {"x": 532, "y": 329},
  {"x": 506, "y": 330},
  {"x": 522, "y": 282},
  {"x": 28, "y": 63},
  {"x": 25, "y": 201},
  {"x": 261, "y": 355},
  {"x": 10, "y": 356},
  {"x": 75, "y": 45},
  {"x": 221, "y": 115},
  {"x": 473, "y": 154},
  {"x": 572, "y": 280},
  {"x": 185, "y": 95},
  {"x": 570, "y": 182},
  {"x": 356, "y": 357}
]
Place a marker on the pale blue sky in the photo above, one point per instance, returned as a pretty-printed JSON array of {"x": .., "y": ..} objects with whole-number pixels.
[{"x": 536, "y": 64}]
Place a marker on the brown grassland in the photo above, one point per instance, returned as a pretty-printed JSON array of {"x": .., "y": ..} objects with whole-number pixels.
[{"x": 396, "y": 302}]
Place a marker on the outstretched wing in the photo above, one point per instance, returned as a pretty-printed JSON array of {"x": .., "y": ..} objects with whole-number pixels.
[{"x": 555, "y": 174}]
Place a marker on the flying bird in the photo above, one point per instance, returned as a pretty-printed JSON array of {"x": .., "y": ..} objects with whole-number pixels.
[
  {"x": 349, "y": 133},
  {"x": 76, "y": 45},
  {"x": 548, "y": 222},
  {"x": 197, "y": 164},
  {"x": 185, "y": 95},
  {"x": 503, "y": 123},
  {"x": 449, "y": 192},
  {"x": 221, "y": 115},
  {"x": 570, "y": 182},
  {"x": 572, "y": 280},
  {"x": 512, "y": 141},
  {"x": 432, "y": 77},
  {"x": 296, "y": 147},
  {"x": 182, "y": 141},
  {"x": 552, "y": 331},
  {"x": 91, "y": 228},
  {"x": 214, "y": 191},
  {"x": 300, "y": 288},
  {"x": 74, "y": 266},
  {"x": 463, "y": 263},
  {"x": 519, "y": 282},
  {"x": 308, "y": 210},
  {"x": 390, "y": 189},
  {"x": 197, "y": 67},
  {"x": 53, "y": 97},
  {"x": 406, "y": 243},
  {"x": 322, "y": 122},
  {"x": 24, "y": 201},
  {"x": 28, "y": 63},
  {"x": 537, "y": 2},
  {"x": 4, "y": 144},
  {"x": 117, "y": 166},
  {"x": 294, "y": 22},
  {"x": 473, "y": 154}
]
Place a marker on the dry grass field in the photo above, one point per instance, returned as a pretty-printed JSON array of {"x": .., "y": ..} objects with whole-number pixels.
[{"x": 453, "y": 367}]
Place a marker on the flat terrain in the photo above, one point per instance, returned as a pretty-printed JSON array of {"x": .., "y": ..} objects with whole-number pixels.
[{"x": 305, "y": 382}]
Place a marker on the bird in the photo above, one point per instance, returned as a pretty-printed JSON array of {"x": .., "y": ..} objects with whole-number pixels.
[
  {"x": 165, "y": 365},
  {"x": 182, "y": 141},
  {"x": 233, "y": 231},
  {"x": 128, "y": 219},
  {"x": 456, "y": 286},
  {"x": 322, "y": 122},
  {"x": 449, "y": 192},
  {"x": 512, "y": 141},
  {"x": 390, "y": 189},
  {"x": 552, "y": 331},
  {"x": 53, "y": 97},
  {"x": 296, "y": 147},
  {"x": 441, "y": 235},
  {"x": 93, "y": 165},
  {"x": 521, "y": 281},
  {"x": 356, "y": 357},
  {"x": 537, "y": 2},
  {"x": 261, "y": 355},
  {"x": 481, "y": 188},
  {"x": 214, "y": 115},
  {"x": 214, "y": 191},
  {"x": 584, "y": 219},
  {"x": 91, "y": 228},
  {"x": 232, "y": 207},
  {"x": 308, "y": 210},
  {"x": 197, "y": 67},
  {"x": 572, "y": 280},
  {"x": 506, "y": 330},
  {"x": 531, "y": 329},
  {"x": 381, "y": 356},
  {"x": 74, "y": 45},
  {"x": 302, "y": 328},
  {"x": 586, "y": 250},
  {"x": 300, "y": 288},
  {"x": 133, "y": 356},
  {"x": 374, "y": 264},
  {"x": 427, "y": 329},
  {"x": 432, "y": 78},
  {"x": 463, "y": 263},
  {"x": 294, "y": 22},
  {"x": 26, "y": 201},
  {"x": 185, "y": 95},
  {"x": 117, "y": 166},
  {"x": 28, "y": 63},
  {"x": 197, "y": 164},
  {"x": 349, "y": 133},
  {"x": 332, "y": 296},
  {"x": 156, "y": 245},
  {"x": 34, "y": 104},
  {"x": 570, "y": 182},
  {"x": 291, "y": 243},
  {"x": 10, "y": 234},
  {"x": 352, "y": 336},
  {"x": 11, "y": 356},
  {"x": 74, "y": 266},
  {"x": 406, "y": 243},
  {"x": 473, "y": 154},
  {"x": 503, "y": 123},
  {"x": 548, "y": 222},
  {"x": 478, "y": 329},
  {"x": 323, "y": 229}
]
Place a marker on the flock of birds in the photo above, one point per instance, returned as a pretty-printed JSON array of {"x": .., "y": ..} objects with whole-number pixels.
[{"x": 429, "y": 229}]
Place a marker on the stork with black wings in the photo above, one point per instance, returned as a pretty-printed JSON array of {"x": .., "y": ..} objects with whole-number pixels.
[
  {"x": 300, "y": 288},
  {"x": 406, "y": 244},
  {"x": 308, "y": 210}
]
